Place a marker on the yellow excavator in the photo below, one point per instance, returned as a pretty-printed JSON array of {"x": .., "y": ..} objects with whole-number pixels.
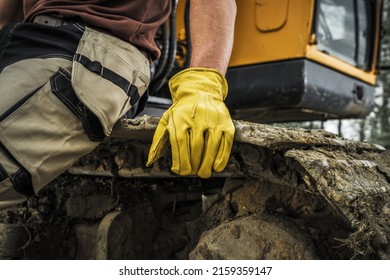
[
  {"x": 292, "y": 59},
  {"x": 285, "y": 194}
]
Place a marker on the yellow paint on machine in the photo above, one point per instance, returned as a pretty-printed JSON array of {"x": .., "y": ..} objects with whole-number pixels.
[{"x": 268, "y": 31}]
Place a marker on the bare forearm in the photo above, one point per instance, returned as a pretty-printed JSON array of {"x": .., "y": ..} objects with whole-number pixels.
[
  {"x": 212, "y": 32},
  {"x": 10, "y": 11}
]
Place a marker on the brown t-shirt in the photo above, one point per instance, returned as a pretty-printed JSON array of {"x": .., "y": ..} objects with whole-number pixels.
[{"x": 135, "y": 21}]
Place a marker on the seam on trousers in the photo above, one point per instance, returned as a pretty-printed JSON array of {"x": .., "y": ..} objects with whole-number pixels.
[
  {"x": 54, "y": 55},
  {"x": 7, "y": 36}
]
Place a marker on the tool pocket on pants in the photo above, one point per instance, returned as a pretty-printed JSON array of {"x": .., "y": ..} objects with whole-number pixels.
[
  {"x": 109, "y": 76},
  {"x": 47, "y": 131}
]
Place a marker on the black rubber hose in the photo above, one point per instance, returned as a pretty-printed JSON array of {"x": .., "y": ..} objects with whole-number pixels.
[
  {"x": 160, "y": 81},
  {"x": 187, "y": 26},
  {"x": 164, "y": 52}
]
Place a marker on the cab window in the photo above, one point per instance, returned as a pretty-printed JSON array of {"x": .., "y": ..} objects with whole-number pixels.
[{"x": 343, "y": 30}]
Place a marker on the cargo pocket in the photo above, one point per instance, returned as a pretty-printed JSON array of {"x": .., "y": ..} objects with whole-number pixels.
[
  {"x": 47, "y": 131},
  {"x": 109, "y": 76}
]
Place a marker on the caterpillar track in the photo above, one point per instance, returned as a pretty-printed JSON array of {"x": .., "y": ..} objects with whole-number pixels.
[{"x": 286, "y": 194}]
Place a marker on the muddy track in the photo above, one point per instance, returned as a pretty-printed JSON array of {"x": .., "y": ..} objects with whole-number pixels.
[{"x": 286, "y": 194}]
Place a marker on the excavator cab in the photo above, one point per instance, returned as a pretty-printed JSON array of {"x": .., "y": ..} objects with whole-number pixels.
[{"x": 292, "y": 60}]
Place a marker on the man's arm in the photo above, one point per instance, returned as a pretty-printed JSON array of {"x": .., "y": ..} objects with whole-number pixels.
[
  {"x": 212, "y": 31},
  {"x": 10, "y": 11}
]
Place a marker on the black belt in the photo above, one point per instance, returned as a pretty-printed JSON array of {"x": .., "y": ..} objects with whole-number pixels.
[{"x": 54, "y": 21}]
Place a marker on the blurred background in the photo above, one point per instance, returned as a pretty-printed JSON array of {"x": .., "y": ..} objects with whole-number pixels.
[{"x": 376, "y": 127}]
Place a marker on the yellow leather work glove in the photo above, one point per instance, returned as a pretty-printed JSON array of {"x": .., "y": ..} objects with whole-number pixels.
[{"x": 198, "y": 124}]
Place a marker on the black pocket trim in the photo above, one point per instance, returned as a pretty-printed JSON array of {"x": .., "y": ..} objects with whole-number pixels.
[
  {"x": 21, "y": 180},
  {"x": 62, "y": 88},
  {"x": 18, "y": 104},
  {"x": 3, "y": 173},
  {"x": 96, "y": 67}
]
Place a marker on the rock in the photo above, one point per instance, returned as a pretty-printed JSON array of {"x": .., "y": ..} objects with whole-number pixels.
[{"x": 254, "y": 237}]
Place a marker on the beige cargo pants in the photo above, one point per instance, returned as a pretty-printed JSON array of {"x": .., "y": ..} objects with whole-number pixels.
[{"x": 62, "y": 88}]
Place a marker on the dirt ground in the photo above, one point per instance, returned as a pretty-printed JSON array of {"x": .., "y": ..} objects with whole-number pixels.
[{"x": 178, "y": 219}]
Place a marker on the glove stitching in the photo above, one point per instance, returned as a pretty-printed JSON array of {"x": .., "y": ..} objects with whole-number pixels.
[
  {"x": 189, "y": 132},
  {"x": 195, "y": 107},
  {"x": 207, "y": 99},
  {"x": 206, "y": 136},
  {"x": 221, "y": 148},
  {"x": 217, "y": 112}
]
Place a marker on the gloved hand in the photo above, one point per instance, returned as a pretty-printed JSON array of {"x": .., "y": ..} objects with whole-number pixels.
[{"x": 198, "y": 124}]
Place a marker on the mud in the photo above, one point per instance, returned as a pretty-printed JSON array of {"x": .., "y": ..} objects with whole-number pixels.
[{"x": 286, "y": 194}]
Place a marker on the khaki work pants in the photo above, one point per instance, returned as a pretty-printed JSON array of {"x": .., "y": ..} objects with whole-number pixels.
[{"x": 62, "y": 89}]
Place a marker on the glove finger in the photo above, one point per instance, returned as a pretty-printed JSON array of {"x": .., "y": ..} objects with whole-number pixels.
[
  {"x": 224, "y": 150},
  {"x": 212, "y": 142},
  {"x": 181, "y": 163},
  {"x": 160, "y": 141},
  {"x": 197, "y": 147}
]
